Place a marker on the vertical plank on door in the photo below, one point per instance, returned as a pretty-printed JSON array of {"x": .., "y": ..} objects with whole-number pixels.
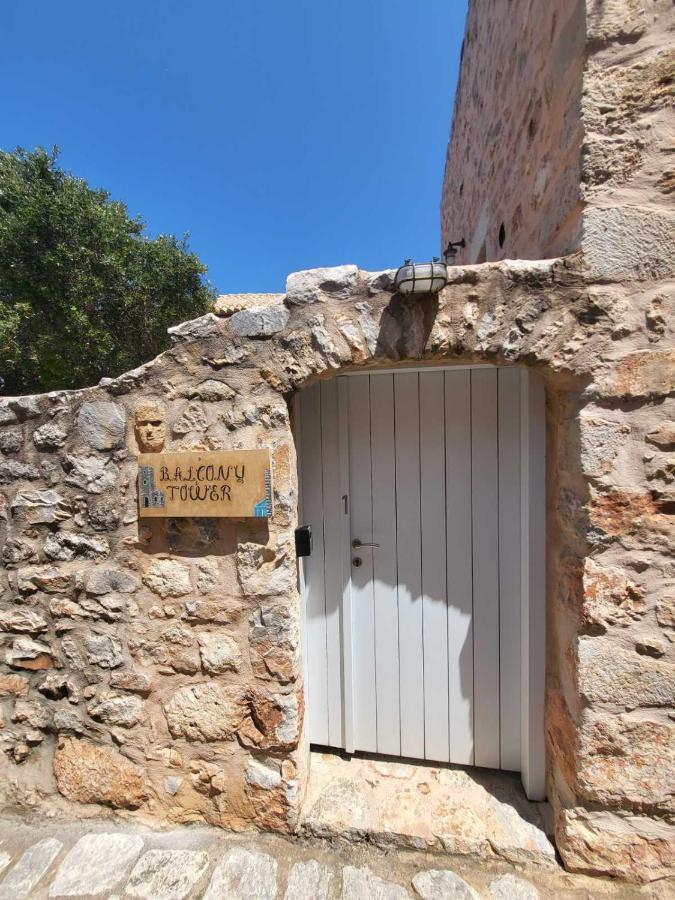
[
  {"x": 362, "y": 602},
  {"x": 533, "y": 554},
  {"x": 383, "y": 467},
  {"x": 349, "y": 686},
  {"x": 434, "y": 586},
  {"x": 410, "y": 622},
  {"x": 508, "y": 382},
  {"x": 332, "y": 505},
  {"x": 459, "y": 564},
  {"x": 484, "y": 477},
  {"x": 315, "y": 598}
]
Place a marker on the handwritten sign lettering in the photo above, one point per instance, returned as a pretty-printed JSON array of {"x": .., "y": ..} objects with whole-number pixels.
[{"x": 235, "y": 483}]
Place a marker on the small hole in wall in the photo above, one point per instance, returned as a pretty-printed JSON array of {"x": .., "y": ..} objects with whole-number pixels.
[{"x": 502, "y": 235}]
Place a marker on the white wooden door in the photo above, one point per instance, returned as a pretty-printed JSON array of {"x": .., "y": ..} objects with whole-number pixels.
[{"x": 414, "y": 645}]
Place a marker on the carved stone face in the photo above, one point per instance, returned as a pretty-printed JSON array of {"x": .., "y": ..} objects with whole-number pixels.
[{"x": 150, "y": 427}]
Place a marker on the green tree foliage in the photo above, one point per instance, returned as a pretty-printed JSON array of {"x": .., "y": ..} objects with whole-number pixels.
[{"x": 83, "y": 292}]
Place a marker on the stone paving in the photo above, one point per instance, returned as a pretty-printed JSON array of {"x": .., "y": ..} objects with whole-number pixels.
[
  {"x": 113, "y": 859},
  {"x": 426, "y": 807}
]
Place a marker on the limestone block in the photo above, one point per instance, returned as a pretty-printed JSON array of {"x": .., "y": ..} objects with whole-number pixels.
[
  {"x": 22, "y": 620},
  {"x": 275, "y": 721},
  {"x": 101, "y": 424},
  {"x": 634, "y": 848},
  {"x": 195, "y": 329},
  {"x": 13, "y": 470},
  {"x": 322, "y": 341},
  {"x": 439, "y": 884},
  {"x": 508, "y": 887},
  {"x": 20, "y": 408},
  {"x": 7, "y": 415},
  {"x": 275, "y": 642},
  {"x": 208, "y": 575},
  {"x": 49, "y": 437},
  {"x": 219, "y": 653},
  {"x": 642, "y": 375},
  {"x": 61, "y": 607},
  {"x": 68, "y": 720},
  {"x": 362, "y": 884},
  {"x": 610, "y": 597},
  {"x": 650, "y": 647},
  {"x": 18, "y": 884},
  {"x": 117, "y": 709},
  {"x": 193, "y": 418},
  {"x": 622, "y": 243},
  {"x": 319, "y": 285},
  {"x": 665, "y": 613},
  {"x": 169, "y": 874},
  {"x": 177, "y": 651},
  {"x": 608, "y": 674},
  {"x": 379, "y": 282},
  {"x": 59, "y": 686},
  {"x": 308, "y": 881},
  {"x": 89, "y": 773},
  {"x": 134, "y": 681},
  {"x": 611, "y": 20},
  {"x": 210, "y": 610},
  {"x": 168, "y": 578},
  {"x": 103, "y": 514},
  {"x": 108, "y": 580},
  {"x": 90, "y": 474},
  {"x": 16, "y": 551},
  {"x": 244, "y": 875},
  {"x": 13, "y": 686},
  {"x": 66, "y": 545},
  {"x": 206, "y": 712},
  {"x": 265, "y": 571},
  {"x": 265, "y": 774},
  {"x": 601, "y": 440},
  {"x": 31, "y": 712},
  {"x": 40, "y": 507},
  {"x": 50, "y": 579},
  {"x": 260, "y": 321},
  {"x": 663, "y": 437},
  {"x": 627, "y": 762},
  {"x": 25, "y": 653},
  {"x": 103, "y": 650},
  {"x": 96, "y": 865},
  {"x": 212, "y": 390},
  {"x": 10, "y": 442}
]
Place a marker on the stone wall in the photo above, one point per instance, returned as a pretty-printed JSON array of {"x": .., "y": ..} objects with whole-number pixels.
[
  {"x": 563, "y": 133},
  {"x": 155, "y": 669},
  {"x": 514, "y": 156}
]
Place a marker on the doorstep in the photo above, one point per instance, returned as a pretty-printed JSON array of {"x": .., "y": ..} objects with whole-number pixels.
[{"x": 436, "y": 808}]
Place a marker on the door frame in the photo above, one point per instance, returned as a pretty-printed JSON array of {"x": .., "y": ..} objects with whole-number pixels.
[{"x": 532, "y": 562}]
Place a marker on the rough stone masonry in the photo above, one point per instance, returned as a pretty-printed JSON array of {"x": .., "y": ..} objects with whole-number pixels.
[{"x": 155, "y": 667}]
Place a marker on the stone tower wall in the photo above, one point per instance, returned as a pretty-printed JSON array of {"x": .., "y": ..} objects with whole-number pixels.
[
  {"x": 563, "y": 132},
  {"x": 515, "y": 148}
]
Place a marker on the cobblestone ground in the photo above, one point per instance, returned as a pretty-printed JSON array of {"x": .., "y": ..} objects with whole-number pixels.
[{"x": 111, "y": 859}]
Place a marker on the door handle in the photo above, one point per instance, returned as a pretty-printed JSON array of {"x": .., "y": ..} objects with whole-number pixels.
[{"x": 357, "y": 544}]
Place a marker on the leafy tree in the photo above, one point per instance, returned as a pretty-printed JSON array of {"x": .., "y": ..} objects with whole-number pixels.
[{"x": 84, "y": 293}]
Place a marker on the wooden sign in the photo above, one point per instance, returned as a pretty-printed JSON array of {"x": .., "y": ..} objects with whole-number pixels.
[{"x": 235, "y": 483}]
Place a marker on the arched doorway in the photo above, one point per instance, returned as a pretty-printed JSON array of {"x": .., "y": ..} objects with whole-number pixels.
[{"x": 424, "y": 592}]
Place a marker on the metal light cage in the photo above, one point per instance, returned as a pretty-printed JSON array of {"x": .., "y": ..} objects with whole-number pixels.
[{"x": 421, "y": 278}]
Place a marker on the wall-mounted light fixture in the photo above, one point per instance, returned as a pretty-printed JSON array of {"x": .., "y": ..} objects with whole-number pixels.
[
  {"x": 450, "y": 251},
  {"x": 421, "y": 278}
]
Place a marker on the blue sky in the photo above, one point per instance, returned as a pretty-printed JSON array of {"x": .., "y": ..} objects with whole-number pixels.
[{"x": 280, "y": 135}]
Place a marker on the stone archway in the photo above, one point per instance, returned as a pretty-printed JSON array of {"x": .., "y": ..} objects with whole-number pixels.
[{"x": 160, "y": 669}]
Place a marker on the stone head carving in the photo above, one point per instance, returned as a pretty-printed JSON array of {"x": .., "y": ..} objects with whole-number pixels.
[{"x": 150, "y": 426}]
